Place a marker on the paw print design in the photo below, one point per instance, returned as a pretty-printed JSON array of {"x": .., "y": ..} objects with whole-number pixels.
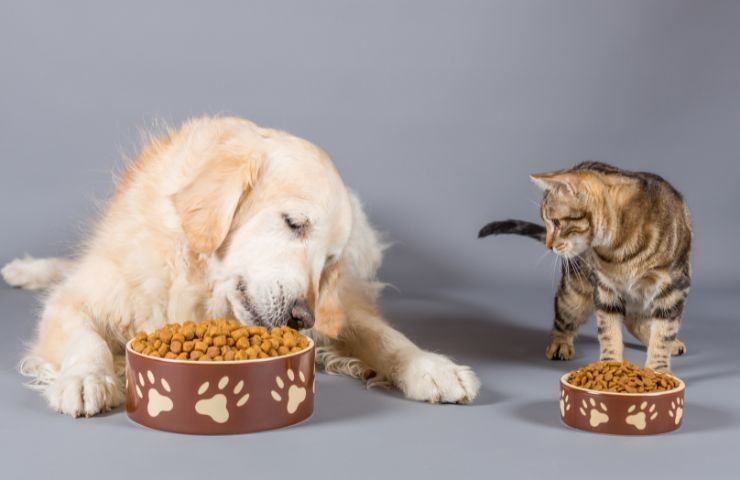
[
  {"x": 676, "y": 411},
  {"x": 296, "y": 394},
  {"x": 642, "y": 416},
  {"x": 564, "y": 403},
  {"x": 156, "y": 402},
  {"x": 216, "y": 407},
  {"x": 595, "y": 412}
]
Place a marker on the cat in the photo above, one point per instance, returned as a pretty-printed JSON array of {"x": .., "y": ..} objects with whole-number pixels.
[{"x": 625, "y": 241}]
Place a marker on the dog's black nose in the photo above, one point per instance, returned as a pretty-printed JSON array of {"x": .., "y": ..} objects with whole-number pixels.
[{"x": 300, "y": 316}]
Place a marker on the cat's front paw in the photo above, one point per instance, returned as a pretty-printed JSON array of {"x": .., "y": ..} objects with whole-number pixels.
[
  {"x": 658, "y": 366},
  {"x": 559, "y": 349}
]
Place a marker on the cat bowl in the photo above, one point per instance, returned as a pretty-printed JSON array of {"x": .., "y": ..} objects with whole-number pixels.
[
  {"x": 212, "y": 398},
  {"x": 621, "y": 413}
]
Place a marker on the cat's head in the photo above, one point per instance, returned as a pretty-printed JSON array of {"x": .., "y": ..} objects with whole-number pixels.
[{"x": 568, "y": 209}]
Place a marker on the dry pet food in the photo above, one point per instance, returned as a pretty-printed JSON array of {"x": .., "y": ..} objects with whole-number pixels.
[
  {"x": 623, "y": 377},
  {"x": 217, "y": 341}
]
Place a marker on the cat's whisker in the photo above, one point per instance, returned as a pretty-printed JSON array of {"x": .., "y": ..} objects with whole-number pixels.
[
  {"x": 577, "y": 269},
  {"x": 539, "y": 260},
  {"x": 555, "y": 269}
]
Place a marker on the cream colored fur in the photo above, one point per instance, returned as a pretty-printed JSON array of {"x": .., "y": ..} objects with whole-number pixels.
[{"x": 197, "y": 229}]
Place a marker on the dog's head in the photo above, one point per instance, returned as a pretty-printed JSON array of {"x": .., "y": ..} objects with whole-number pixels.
[{"x": 273, "y": 218}]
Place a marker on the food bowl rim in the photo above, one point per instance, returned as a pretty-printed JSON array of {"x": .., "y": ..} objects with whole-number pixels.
[
  {"x": 131, "y": 351},
  {"x": 681, "y": 386}
]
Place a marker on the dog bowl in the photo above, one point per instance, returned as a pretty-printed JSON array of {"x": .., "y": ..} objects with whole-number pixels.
[
  {"x": 211, "y": 398},
  {"x": 621, "y": 413}
]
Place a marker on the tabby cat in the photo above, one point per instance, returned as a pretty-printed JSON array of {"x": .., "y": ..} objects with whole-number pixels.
[{"x": 625, "y": 239}]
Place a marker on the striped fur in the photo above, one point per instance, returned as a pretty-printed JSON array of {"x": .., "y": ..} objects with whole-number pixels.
[
  {"x": 625, "y": 240},
  {"x": 514, "y": 227}
]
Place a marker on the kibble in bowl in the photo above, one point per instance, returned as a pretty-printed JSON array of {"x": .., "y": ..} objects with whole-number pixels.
[
  {"x": 218, "y": 340},
  {"x": 621, "y": 398},
  {"x": 218, "y": 377}
]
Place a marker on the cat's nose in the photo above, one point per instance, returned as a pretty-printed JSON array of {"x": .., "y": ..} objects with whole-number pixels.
[
  {"x": 549, "y": 240},
  {"x": 300, "y": 316}
]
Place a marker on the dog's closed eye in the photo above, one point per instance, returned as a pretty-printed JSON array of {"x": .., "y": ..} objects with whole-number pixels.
[{"x": 299, "y": 227}]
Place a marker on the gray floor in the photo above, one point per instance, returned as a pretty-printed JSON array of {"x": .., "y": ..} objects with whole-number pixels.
[{"x": 512, "y": 430}]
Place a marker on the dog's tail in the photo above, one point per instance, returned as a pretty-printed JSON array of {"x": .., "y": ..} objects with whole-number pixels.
[
  {"x": 36, "y": 273},
  {"x": 514, "y": 227}
]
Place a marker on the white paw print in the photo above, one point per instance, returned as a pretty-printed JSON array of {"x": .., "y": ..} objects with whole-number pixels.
[
  {"x": 216, "y": 407},
  {"x": 641, "y": 417},
  {"x": 296, "y": 393},
  {"x": 156, "y": 402},
  {"x": 677, "y": 407},
  {"x": 564, "y": 403},
  {"x": 595, "y": 412}
]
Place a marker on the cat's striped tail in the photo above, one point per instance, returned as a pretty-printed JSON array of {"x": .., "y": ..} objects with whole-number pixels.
[{"x": 514, "y": 227}]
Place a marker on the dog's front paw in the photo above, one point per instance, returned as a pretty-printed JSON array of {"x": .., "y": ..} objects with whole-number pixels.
[
  {"x": 84, "y": 394},
  {"x": 433, "y": 378}
]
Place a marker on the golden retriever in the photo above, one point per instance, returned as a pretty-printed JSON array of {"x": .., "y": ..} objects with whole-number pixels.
[{"x": 223, "y": 218}]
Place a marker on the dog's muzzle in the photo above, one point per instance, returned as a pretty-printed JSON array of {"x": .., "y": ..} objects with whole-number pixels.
[{"x": 300, "y": 316}]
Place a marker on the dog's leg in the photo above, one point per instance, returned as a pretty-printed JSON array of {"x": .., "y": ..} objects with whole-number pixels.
[
  {"x": 87, "y": 383},
  {"x": 36, "y": 273},
  {"x": 74, "y": 360},
  {"x": 419, "y": 374},
  {"x": 332, "y": 358}
]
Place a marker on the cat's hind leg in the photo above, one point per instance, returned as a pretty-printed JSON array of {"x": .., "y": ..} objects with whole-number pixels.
[
  {"x": 573, "y": 305},
  {"x": 639, "y": 326},
  {"x": 665, "y": 319}
]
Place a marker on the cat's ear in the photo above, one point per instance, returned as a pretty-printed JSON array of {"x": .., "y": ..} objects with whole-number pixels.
[{"x": 570, "y": 181}]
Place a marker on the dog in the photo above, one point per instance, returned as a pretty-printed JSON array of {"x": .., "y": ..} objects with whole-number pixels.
[{"x": 223, "y": 218}]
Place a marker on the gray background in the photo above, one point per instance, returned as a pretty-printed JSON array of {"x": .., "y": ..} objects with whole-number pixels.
[{"x": 434, "y": 112}]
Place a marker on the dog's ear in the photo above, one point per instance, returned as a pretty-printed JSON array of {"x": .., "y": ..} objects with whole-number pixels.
[
  {"x": 350, "y": 283},
  {"x": 207, "y": 204},
  {"x": 329, "y": 311}
]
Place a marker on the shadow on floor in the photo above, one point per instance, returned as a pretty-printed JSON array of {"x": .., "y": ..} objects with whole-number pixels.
[
  {"x": 476, "y": 335},
  {"x": 336, "y": 401},
  {"x": 694, "y": 378},
  {"x": 543, "y": 413},
  {"x": 479, "y": 335},
  {"x": 705, "y": 418}
]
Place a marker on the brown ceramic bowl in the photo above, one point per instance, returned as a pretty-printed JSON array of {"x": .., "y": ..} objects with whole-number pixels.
[
  {"x": 220, "y": 397},
  {"x": 621, "y": 413}
]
